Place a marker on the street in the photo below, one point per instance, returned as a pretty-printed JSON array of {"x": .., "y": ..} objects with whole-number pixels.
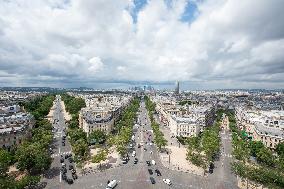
[{"x": 53, "y": 176}]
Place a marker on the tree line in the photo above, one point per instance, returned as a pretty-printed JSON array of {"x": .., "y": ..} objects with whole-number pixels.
[
  {"x": 205, "y": 147},
  {"x": 78, "y": 138},
  {"x": 158, "y": 135}
]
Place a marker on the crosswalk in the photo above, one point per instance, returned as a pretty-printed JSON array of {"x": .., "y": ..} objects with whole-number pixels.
[
  {"x": 226, "y": 155},
  {"x": 62, "y": 153}
]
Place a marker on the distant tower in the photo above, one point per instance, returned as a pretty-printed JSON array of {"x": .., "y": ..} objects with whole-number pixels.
[{"x": 177, "y": 87}]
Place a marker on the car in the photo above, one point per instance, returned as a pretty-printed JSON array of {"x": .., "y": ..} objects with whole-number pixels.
[
  {"x": 64, "y": 177},
  {"x": 61, "y": 160},
  {"x": 133, "y": 153},
  {"x": 71, "y": 167},
  {"x": 150, "y": 171},
  {"x": 63, "y": 169},
  {"x": 139, "y": 145},
  {"x": 124, "y": 160},
  {"x": 74, "y": 176},
  {"x": 148, "y": 163},
  {"x": 135, "y": 160},
  {"x": 211, "y": 167},
  {"x": 152, "y": 180},
  {"x": 73, "y": 171},
  {"x": 63, "y": 143},
  {"x": 71, "y": 160},
  {"x": 145, "y": 149},
  {"x": 69, "y": 181},
  {"x": 158, "y": 172},
  {"x": 167, "y": 181},
  {"x": 111, "y": 184},
  {"x": 153, "y": 162},
  {"x": 66, "y": 156}
]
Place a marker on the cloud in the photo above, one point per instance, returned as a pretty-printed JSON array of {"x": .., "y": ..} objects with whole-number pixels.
[{"x": 222, "y": 43}]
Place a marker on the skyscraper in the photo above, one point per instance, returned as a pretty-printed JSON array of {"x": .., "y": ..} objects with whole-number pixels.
[{"x": 177, "y": 87}]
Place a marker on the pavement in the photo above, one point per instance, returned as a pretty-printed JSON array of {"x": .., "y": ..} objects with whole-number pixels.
[{"x": 52, "y": 177}]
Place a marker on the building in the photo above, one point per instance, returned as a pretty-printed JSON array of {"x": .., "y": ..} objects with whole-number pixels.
[
  {"x": 265, "y": 126},
  {"x": 14, "y": 128},
  {"x": 102, "y": 112},
  {"x": 186, "y": 120},
  {"x": 177, "y": 88}
]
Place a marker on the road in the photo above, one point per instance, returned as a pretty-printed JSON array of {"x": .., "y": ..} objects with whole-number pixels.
[
  {"x": 136, "y": 176},
  {"x": 52, "y": 177}
]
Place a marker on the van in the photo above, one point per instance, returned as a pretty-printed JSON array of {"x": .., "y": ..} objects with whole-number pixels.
[{"x": 111, "y": 184}]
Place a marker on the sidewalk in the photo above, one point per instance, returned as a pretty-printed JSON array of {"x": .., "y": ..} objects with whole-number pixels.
[{"x": 176, "y": 157}]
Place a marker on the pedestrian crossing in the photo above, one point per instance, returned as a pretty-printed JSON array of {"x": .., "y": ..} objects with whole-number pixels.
[
  {"x": 62, "y": 153},
  {"x": 226, "y": 155}
]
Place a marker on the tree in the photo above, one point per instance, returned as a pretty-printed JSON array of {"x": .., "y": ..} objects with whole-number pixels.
[
  {"x": 5, "y": 160},
  {"x": 77, "y": 134},
  {"x": 80, "y": 148},
  {"x": 265, "y": 156},
  {"x": 33, "y": 158},
  {"x": 196, "y": 158},
  {"x": 241, "y": 150},
  {"x": 100, "y": 156},
  {"x": 97, "y": 136},
  {"x": 280, "y": 149},
  {"x": 255, "y": 147}
]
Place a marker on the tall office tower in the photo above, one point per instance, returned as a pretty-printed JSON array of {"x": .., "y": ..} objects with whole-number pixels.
[{"x": 177, "y": 87}]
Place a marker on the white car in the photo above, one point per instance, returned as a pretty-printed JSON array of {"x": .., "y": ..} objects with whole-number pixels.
[
  {"x": 167, "y": 181},
  {"x": 153, "y": 162},
  {"x": 133, "y": 153},
  {"x": 111, "y": 184}
]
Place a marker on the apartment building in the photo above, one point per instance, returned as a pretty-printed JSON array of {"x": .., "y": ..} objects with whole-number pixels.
[
  {"x": 14, "y": 127},
  {"x": 102, "y": 112},
  {"x": 264, "y": 126},
  {"x": 186, "y": 120}
]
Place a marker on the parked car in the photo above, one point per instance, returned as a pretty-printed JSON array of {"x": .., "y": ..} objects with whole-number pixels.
[
  {"x": 167, "y": 181},
  {"x": 152, "y": 180},
  {"x": 150, "y": 171},
  {"x": 71, "y": 167},
  {"x": 148, "y": 163},
  {"x": 153, "y": 162},
  {"x": 64, "y": 177},
  {"x": 135, "y": 160},
  {"x": 61, "y": 160},
  {"x": 158, "y": 172},
  {"x": 74, "y": 176},
  {"x": 133, "y": 153},
  {"x": 69, "y": 181},
  {"x": 111, "y": 184}
]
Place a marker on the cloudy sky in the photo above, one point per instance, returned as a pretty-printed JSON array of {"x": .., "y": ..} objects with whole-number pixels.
[{"x": 204, "y": 44}]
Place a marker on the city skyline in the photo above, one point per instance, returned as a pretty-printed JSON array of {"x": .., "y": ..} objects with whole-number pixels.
[{"x": 100, "y": 44}]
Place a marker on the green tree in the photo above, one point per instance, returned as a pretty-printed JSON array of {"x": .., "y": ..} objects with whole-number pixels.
[
  {"x": 5, "y": 160},
  {"x": 241, "y": 150},
  {"x": 255, "y": 147},
  {"x": 33, "y": 158},
  {"x": 97, "y": 136},
  {"x": 80, "y": 148},
  {"x": 100, "y": 156},
  {"x": 265, "y": 156},
  {"x": 280, "y": 149}
]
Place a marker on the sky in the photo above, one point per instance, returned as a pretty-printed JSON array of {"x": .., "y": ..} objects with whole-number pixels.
[{"x": 204, "y": 44}]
